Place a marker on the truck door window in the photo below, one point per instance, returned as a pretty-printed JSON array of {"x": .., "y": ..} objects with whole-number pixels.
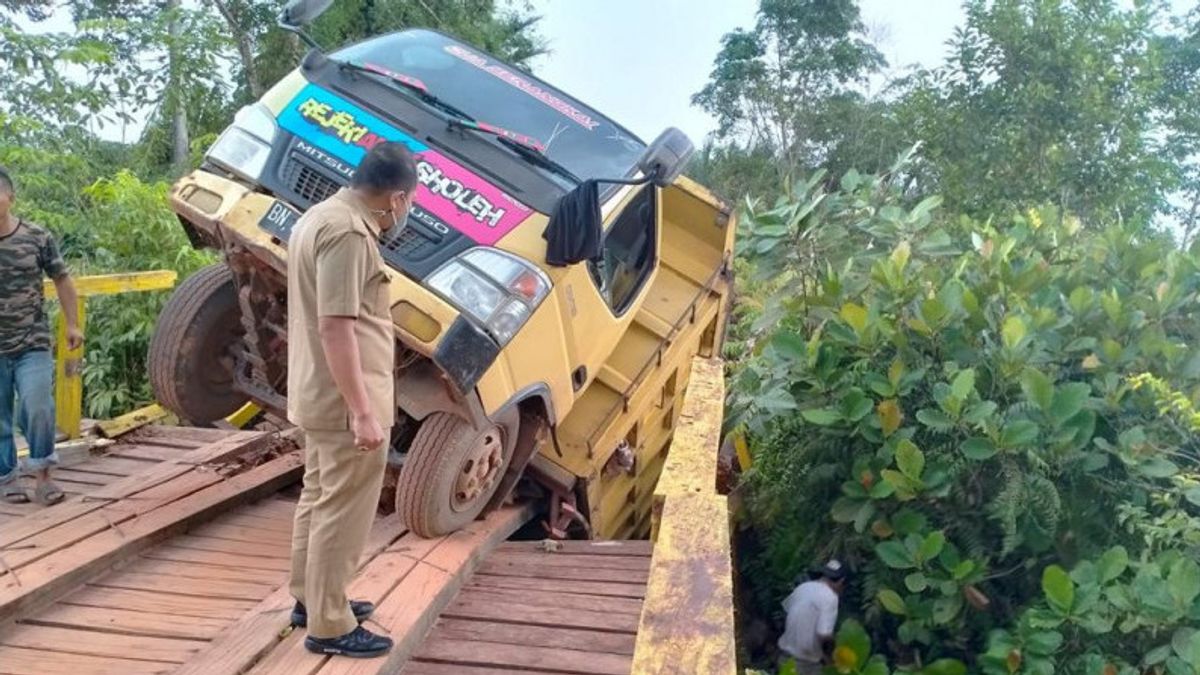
[{"x": 629, "y": 253}]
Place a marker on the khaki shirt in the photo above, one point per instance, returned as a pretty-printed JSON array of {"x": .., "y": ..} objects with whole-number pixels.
[{"x": 335, "y": 270}]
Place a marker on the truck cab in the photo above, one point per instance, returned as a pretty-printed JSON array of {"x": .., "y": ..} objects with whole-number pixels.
[{"x": 515, "y": 376}]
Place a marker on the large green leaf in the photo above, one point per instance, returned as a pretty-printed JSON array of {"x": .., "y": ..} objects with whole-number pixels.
[
  {"x": 1183, "y": 582},
  {"x": 1018, "y": 434},
  {"x": 1193, "y": 495},
  {"x": 790, "y": 345},
  {"x": 853, "y": 636},
  {"x": 1158, "y": 467},
  {"x": 1059, "y": 589},
  {"x": 856, "y": 405},
  {"x": 822, "y": 416},
  {"x": 855, "y": 315},
  {"x": 1013, "y": 331},
  {"x": 1112, "y": 564},
  {"x": 979, "y": 448},
  {"x": 910, "y": 460},
  {"x": 895, "y": 555},
  {"x": 964, "y": 384},
  {"x": 1068, "y": 401},
  {"x": 916, "y": 582},
  {"x": 932, "y": 546},
  {"x": 892, "y": 602},
  {"x": 945, "y": 667},
  {"x": 1044, "y": 643},
  {"x": 935, "y": 419},
  {"x": 1037, "y": 387}
]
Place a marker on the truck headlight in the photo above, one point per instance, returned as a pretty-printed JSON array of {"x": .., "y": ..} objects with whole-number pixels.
[
  {"x": 244, "y": 147},
  {"x": 497, "y": 289}
]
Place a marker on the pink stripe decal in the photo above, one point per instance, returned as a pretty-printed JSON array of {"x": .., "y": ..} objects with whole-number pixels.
[{"x": 466, "y": 202}]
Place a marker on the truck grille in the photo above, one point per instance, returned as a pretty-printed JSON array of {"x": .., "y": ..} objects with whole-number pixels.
[{"x": 307, "y": 183}]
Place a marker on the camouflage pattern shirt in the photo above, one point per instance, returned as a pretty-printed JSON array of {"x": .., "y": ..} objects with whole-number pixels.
[{"x": 26, "y": 254}]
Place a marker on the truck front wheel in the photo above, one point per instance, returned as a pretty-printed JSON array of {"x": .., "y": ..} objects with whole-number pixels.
[
  {"x": 190, "y": 363},
  {"x": 451, "y": 472}
]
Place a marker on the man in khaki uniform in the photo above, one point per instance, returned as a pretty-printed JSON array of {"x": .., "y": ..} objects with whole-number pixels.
[{"x": 341, "y": 352}]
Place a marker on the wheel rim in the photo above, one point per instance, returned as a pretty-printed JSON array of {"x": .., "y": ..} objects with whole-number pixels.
[{"x": 479, "y": 470}]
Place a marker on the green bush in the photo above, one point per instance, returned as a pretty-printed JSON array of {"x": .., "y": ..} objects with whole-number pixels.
[{"x": 948, "y": 406}]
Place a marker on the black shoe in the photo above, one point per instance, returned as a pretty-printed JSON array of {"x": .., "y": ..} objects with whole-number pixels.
[
  {"x": 361, "y": 608},
  {"x": 359, "y": 643}
]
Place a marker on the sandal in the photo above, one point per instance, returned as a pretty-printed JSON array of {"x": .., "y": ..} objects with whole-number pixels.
[
  {"x": 13, "y": 493},
  {"x": 48, "y": 493}
]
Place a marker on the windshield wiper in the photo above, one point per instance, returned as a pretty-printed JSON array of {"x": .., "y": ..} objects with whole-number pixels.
[
  {"x": 525, "y": 147},
  {"x": 409, "y": 83}
]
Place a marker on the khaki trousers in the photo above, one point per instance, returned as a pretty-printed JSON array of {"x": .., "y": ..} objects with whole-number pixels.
[{"x": 333, "y": 519}]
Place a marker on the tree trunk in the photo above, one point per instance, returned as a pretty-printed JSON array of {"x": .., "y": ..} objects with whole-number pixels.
[
  {"x": 245, "y": 47},
  {"x": 180, "y": 143}
]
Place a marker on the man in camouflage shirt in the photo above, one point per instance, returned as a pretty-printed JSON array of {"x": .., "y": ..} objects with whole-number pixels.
[{"x": 27, "y": 252}]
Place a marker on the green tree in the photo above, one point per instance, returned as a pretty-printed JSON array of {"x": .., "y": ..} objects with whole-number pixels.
[
  {"x": 781, "y": 85},
  {"x": 1048, "y": 101}
]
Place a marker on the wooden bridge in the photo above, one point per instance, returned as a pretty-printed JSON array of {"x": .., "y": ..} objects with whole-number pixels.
[{"x": 170, "y": 555}]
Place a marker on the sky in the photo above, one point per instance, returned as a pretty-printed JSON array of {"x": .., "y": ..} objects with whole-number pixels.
[{"x": 645, "y": 78}]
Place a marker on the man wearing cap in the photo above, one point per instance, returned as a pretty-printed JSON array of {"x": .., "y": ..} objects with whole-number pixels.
[{"x": 812, "y": 611}]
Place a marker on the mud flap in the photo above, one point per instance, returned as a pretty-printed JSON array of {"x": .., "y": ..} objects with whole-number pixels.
[{"x": 533, "y": 432}]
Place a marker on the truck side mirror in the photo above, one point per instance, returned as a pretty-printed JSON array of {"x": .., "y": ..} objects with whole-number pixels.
[
  {"x": 301, "y": 12},
  {"x": 666, "y": 157}
]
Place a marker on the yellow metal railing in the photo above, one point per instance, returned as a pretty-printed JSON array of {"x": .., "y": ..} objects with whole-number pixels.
[
  {"x": 687, "y": 624},
  {"x": 68, "y": 395}
]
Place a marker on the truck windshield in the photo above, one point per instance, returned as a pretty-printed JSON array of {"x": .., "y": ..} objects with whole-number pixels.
[{"x": 575, "y": 136}]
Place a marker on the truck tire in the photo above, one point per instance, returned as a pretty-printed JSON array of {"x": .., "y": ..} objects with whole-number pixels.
[
  {"x": 451, "y": 472},
  {"x": 191, "y": 369}
]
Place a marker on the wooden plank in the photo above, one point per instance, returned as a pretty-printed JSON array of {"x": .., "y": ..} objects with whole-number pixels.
[
  {"x": 151, "y": 453},
  {"x": 427, "y": 668},
  {"x": 534, "y": 636},
  {"x": 603, "y": 562},
  {"x": 259, "y": 522},
  {"x": 467, "y": 608},
  {"x": 118, "y": 466},
  {"x": 44, "y": 519},
  {"x": 52, "y": 641},
  {"x": 111, "y": 284},
  {"x": 552, "y": 599},
  {"x": 596, "y": 547},
  {"x": 691, "y": 466},
  {"x": 80, "y": 474},
  {"x": 585, "y": 588},
  {"x": 191, "y": 572},
  {"x": 45, "y": 579},
  {"x": 130, "y": 421},
  {"x": 523, "y": 656},
  {"x": 411, "y": 608},
  {"x": 158, "y": 602},
  {"x": 197, "y": 434},
  {"x": 127, "y": 622},
  {"x": 282, "y": 550},
  {"x": 161, "y": 583},
  {"x": 290, "y": 658},
  {"x": 500, "y": 568},
  {"x": 223, "y": 529},
  {"x": 21, "y": 661},
  {"x": 258, "y": 631},
  {"x": 173, "y": 553},
  {"x": 687, "y": 623},
  {"x": 88, "y": 525}
]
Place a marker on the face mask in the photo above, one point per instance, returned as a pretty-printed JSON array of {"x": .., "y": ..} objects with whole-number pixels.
[{"x": 400, "y": 217}]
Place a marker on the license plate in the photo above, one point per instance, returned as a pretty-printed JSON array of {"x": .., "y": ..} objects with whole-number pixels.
[{"x": 279, "y": 221}]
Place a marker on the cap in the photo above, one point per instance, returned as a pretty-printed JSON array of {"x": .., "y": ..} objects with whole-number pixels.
[{"x": 834, "y": 570}]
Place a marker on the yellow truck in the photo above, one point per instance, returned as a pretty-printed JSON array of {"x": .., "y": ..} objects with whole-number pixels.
[{"x": 549, "y": 289}]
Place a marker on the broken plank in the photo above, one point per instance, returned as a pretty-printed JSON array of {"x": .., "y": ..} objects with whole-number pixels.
[
  {"x": 128, "y": 622},
  {"x": 524, "y": 657},
  {"x": 583, "y": 588},
  {"x": 150, "y": 453},
  {"x": 21, "y": 661},
  {"x": 534, "y": 636},
  {"x": 196, "y": 434},
  {"x": 42, "y": 581},
  {"x": 52, "y": 640},
  {"x": 158, "y": 602},
  {"x": 636, "y": 547}
]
